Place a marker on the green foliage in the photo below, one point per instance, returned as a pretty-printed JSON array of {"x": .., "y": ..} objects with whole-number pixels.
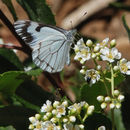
[
  {"x": 89, "y": 94},
  {"x": 120, "y": 5},
  {"x": 16, "y": 116},
  {"x": 126, "y": 26},
  {"x": 118, "y": 119},
  {"x": 11, "y": 8},
  {"x": 37, "y": 10},
  {"x": 9, "y": 61},
  {"x": 96, "y": 120},
  {"x": 9, "y": 81},
  {"x": 7, "y": 128}
]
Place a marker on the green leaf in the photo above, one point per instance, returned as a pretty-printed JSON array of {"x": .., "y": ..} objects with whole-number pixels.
[
  {"x": 96, "y": 120},
  {"x": 33, "y": 93},
  {"x": 34, "y": 72},
  {"x": 89, "y": 94},
  {"x": 9, "y": 81},
  {"x": 9, "y": 61},
  {"x": 11, "y": 8},
  {"x": 118, "y": 119},
  {"x": 126, "y": 26},
  {"x": 7, "y": 128},
  {"x": 16, "y": 116},
  {"x": 120, "y": 5},
  {"x": 37, "y": 10}
]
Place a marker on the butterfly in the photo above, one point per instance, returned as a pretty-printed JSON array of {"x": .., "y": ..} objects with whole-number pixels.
[{"x": 50, "y": 44}]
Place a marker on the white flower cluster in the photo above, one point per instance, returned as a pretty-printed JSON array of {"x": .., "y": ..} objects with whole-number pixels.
[
  {"x": 61, "y": 116},
  {"x": 103, "y": 51},
  {"x": 114, "y": 102}
]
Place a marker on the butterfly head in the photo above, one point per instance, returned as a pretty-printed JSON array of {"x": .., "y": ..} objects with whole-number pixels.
[{"x": 71, "y": 34}]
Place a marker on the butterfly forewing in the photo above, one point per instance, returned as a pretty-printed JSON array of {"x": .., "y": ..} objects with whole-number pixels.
[{"x": 50, "y": 45}]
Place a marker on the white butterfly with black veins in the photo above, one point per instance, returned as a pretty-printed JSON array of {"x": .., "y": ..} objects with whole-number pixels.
[{"x": 50, "y": 45}]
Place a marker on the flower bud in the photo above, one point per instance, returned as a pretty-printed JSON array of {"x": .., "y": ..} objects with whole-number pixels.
[
  {"x": 96, "y": 49},
  {"x": 58, "y": 128},
  {"x": 31, "y": 127},
  {"x": 85, "y": 106},
  {"x": 107, "y": 99},
  {"x": 89, "y": 43},
  {"x": 93, "y": 55},
  {"x": 54, "y": 111},
  {"x": 99, "y": 67},
  {"x": 54, "y": 120},
  {"x": 56, "y": 103},
  {"x": 37, "y": 116},
  {"x": 113, "y": 43},
  {"x": 118, "y": 105},
  {"x": 100, "y": 98},
  {"x": 32, "y": 119},
  {"x": 116, "y": 92},
  {"x": 82, "y": 61},
  {"x": 72, "y": 118},
  {"x": 76, "y": 48},
  {"x": 48, "y": 114},
  {"x": 103, "y": 105},
  {"x": 112, "y": 105},
  {"x": 65, "y": 120},
  {"x": 45, "y": 117},
  {"x": 65, "y": 103},
  {"x": 81, "y": 127},
  {"x": 82, "y": 71},
  {"x": 116, "y": 68},
  {"x": 121, "y": 97},
  {"x": 90, "y": 110}
]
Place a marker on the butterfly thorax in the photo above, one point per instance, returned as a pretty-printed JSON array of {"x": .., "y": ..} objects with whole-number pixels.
[{"x": 71, "y": 35}]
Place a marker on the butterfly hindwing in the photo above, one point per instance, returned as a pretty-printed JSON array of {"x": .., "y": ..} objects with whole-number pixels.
[{"x": 50, "y": 48}]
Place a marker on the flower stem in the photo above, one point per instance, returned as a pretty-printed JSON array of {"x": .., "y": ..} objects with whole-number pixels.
[
  {"x": 112, "y": 94},
  {"x": 112, "y": 81},
  {"x": 112, "y": 117}
]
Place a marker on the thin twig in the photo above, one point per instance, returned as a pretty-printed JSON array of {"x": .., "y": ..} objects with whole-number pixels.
[
  {"x": 5, "y": 20},
  {"x": 11, "y": 47},
  {"x": 54, "y": 83}
]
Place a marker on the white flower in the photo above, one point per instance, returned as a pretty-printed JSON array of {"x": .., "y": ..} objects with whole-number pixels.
[
  {"x": 71, "y": 127},
  {"x": 76, "y": 107},
  {"x": 92, "y": 76},
  {"x": 103, "y": 43},
  {"x": 48, "y": 125},
  {"x": 82, "y": 52},
  {"x": 60, "y": 110},
  {"x": 110, "y": 54},
  {"x": 124, "y": 66},
  {"x": 46, "y": 107}
]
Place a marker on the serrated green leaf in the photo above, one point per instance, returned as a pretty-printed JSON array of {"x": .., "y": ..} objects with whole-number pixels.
[
  {"x": 11, "y": 8},
  {"x": 126, "y": 26},
  {"x": 16, "y": 116},
  {"x": 9, "y": 61},
  {"x": 37, "y": 10},
  {"x": 96, "y": 120},
  {"x": 7, "y": 128},
  {"x": 89, "y": 94},
  {"x": 9, "y": 81}
]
